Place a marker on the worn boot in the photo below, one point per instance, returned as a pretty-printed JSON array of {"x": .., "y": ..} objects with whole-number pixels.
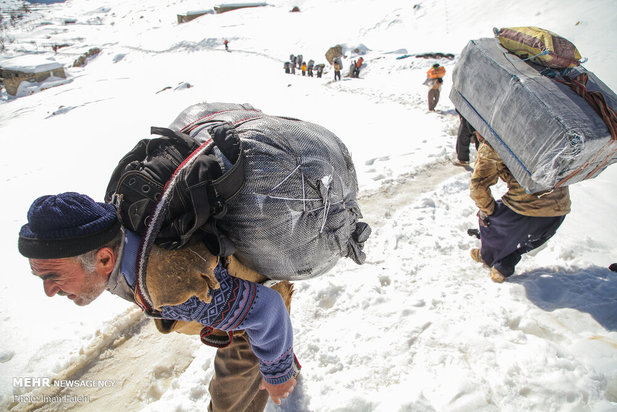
[
  {"x": 475, "y": 255},
  {"x": 460, "y": 163},
  {"x": 496, "y": 275}
]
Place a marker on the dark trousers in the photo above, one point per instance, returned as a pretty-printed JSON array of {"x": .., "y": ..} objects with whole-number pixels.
[
  {"x": 433, "y": 98},
  {"x": 510, "y": 235},
  {"x": 337, "y": 75},
  {"x": 463, "y": 139}
]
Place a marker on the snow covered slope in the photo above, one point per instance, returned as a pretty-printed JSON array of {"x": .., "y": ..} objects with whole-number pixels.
[{"x": 420, "y": 326}]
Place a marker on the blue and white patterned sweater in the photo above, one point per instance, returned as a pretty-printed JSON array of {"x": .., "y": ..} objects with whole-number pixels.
[{"x": 237, "y": 305}]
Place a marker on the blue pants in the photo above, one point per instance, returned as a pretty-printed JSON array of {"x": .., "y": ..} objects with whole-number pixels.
[{"x": 510, "y": 235}]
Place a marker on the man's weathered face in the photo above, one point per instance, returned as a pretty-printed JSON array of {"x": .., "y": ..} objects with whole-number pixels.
[{"x": 66, "y": 277}]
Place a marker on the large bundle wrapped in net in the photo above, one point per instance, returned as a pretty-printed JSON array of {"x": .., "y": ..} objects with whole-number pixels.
[{"x": 297, "y": 212}]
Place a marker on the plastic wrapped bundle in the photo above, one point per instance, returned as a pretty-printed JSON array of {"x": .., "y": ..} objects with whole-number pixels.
[
  {"x": 546, "y": 133},
  {"x": 297, "y": 213}
]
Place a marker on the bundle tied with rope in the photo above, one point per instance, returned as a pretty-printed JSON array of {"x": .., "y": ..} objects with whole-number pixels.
[{"x": 539, "y": 45}]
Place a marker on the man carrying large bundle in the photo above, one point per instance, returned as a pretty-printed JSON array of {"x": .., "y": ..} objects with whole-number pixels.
[
  {"x": 434, "y": 80},
  {"x": 548, "y": 123},
  {"x": 205, "y": 236},
  {"x": 517, "y": 223},
  {"x": 78, "y": 248},
  {"x": 337, "y": 69}
]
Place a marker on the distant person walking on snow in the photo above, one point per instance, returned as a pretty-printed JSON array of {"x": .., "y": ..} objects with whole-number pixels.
[
  {"x": 434, "y": 80},
  {"x": 517, "y": 223},
  {"x": 337, "y": 70},
  {"x": 292, "y": 60},
  {"x": 303, "y": 69}
]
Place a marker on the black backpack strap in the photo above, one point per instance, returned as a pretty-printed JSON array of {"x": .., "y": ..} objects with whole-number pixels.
[
  {"x": 225, "y": 138},
  {"x": 178, "y": 136},
  {"x": 231, "y": 182}
]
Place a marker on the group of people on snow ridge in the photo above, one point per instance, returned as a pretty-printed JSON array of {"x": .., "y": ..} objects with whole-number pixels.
[{"x": 307, "y": 68}]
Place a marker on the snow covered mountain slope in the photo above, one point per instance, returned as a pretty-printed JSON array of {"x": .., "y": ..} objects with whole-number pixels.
[{"x": 420, "y": 326}]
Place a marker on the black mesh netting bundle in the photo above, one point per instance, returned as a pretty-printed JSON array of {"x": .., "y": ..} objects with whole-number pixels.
[{"x": 297, "y": 213}]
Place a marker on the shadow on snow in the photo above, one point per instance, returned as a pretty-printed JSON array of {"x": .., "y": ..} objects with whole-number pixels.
[{"x": 592, "y": 290}]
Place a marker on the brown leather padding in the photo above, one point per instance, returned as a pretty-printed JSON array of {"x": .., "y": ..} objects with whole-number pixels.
[{"x": 174, "y": 276}]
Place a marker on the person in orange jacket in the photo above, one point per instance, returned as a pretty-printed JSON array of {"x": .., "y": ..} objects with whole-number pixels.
[
  {"x": 434, "y": 80},
  {"x": 436, "y": 72},
  {"x": 303, "y": 69}
]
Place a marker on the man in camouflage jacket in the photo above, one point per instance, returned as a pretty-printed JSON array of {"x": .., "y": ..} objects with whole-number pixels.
[{"x": 517, "y": 223}]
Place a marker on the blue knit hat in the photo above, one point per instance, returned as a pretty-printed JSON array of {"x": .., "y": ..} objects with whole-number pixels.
[{"x": 66, "y": 225}]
